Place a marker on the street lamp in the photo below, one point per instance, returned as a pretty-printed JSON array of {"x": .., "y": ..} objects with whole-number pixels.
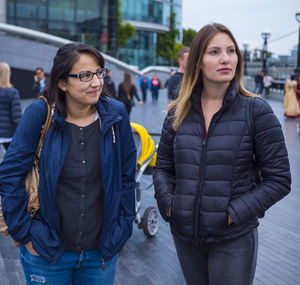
[
  {"x": 297, "y": 70},
  {"x": 265, "y": 35},
  {"x": 245, "y": 58}
]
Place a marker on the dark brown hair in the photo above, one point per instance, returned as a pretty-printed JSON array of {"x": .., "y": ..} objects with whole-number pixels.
[
  {"x": 127, "y": 83},
  {"x": 65, "y": 58}
]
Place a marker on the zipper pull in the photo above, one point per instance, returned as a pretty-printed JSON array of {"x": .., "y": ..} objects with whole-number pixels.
[
  {"x": 103, "y": 264},
  {"x": 114, "y": 136}
]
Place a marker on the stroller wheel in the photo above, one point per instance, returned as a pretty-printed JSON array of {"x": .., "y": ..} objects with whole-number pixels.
[{"x": 150, "y": 221}]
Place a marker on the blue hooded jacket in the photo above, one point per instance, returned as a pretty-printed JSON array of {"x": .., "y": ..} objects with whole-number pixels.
[{"x": 118, "y": 162}]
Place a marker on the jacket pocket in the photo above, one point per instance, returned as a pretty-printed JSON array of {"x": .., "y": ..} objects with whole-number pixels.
[
  {"x": 115, "y": 237},
  {"x": 46, "y": 241}
]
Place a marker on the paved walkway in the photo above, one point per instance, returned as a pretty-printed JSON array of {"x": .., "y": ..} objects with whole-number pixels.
[{"x": 153, "y": 261}]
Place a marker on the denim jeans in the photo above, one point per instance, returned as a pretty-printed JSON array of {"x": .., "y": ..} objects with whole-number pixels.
[
  {"x": 230, "y": 263},
  {"x": 76, "y": 268}
]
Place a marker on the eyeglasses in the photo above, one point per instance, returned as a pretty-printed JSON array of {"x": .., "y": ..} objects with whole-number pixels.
[{"x": 88, "y": 75}]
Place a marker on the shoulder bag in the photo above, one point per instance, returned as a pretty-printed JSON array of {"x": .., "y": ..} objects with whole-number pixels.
[{"x": 32, "y": 178}]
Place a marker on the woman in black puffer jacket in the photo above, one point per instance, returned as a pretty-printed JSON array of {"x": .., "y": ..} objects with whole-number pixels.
[
  {"x": 10, "y": 106},
  {"x": 205, "y": 173}
]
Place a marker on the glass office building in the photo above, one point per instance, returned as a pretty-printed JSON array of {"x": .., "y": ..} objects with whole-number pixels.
[
  {"x": 149, "y": 17},
  {"x": 95, "y": 22}
]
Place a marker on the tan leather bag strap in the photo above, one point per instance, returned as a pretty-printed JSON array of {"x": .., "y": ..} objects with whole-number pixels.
[{"x": 45, "y": 129}]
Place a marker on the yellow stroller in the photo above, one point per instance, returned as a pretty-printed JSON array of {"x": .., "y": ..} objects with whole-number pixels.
[{"x": 146, "y": 158}]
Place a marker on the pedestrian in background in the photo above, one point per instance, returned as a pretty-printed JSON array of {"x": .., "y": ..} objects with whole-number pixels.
[
  {"x": 298, "y": 89},
  {"x": 291, "y": 106},
  {"x": 204, "y": 176},
  {"x": 10, "y": 106},
  {"x": 259, "y": 83},
  {"x": 109, "y": 85},
  {"x": 167, "y": 81},
  {"x": 174, "y": 83},
  {"x": 267, "y": 84},
  {"x": 155, "y": 86},
  {"x": 87, "y": 177},
  {"x": 144, "y": 84},
  {"x": 127, "y": 92},
  {"x": 39, "y": 82}
]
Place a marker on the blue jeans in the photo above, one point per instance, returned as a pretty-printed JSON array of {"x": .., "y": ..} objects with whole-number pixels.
[
  {"x": 144, "y": 92},
  {"x": 229, "y": 263},
  {"x": 154, "y": 91},
  {"x": 76, "y": 268}
]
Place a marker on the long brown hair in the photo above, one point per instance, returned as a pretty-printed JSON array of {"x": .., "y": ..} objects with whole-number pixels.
[
  {"x": 192, "y": 74},
  {"x": 127, "y": 82}
]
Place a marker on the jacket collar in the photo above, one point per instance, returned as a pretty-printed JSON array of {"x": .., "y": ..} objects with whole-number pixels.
[
  {"x": 106, "y": 109},
  {"x": 228, "y": 98}
]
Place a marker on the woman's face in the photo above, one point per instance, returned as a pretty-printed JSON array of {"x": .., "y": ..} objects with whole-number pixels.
[
  {"x": 78, "y": 93},
  {"x": 220, "y": 60}
]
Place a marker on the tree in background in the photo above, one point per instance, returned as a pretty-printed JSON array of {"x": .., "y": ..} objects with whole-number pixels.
[
  {"x": 166, "y": 42},
  {"x": 188, "y": 36},
  {"x": 125, "y": 30}
]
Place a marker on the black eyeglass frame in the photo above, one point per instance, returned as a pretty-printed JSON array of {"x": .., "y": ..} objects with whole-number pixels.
[{"x": 100, "y": 71}]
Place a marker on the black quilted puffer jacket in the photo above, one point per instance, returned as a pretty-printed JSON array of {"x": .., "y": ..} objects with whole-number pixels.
[
  {"x": 10, "y": 111},
  {"x": 203, "y": 179}
]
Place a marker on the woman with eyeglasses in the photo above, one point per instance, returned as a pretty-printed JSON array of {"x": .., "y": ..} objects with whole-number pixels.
[{"x": 87, "y": 177}]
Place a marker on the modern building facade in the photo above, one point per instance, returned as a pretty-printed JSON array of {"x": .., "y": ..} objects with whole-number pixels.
[
  {"x": 25, "y": 49},
  {"x": 95, "y": 22},
  {"x": 149, "y": 17}
]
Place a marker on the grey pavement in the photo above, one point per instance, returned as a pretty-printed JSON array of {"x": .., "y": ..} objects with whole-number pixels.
[{"x": 153, "y": 261}]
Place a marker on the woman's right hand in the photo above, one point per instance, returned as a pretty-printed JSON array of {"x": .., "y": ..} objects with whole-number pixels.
[
  {"x": 169, "y": 212},
  {"x": 30, "y": 248}
]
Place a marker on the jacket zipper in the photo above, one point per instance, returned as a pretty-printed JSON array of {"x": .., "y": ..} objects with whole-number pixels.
[
  {"x": 113, "y": 136},
  {"x": 103, "y": 184},
  {"x": 103, "y": 264},
  {"x": 200, "y": 180},
  {"x": 199, "y": 192}
]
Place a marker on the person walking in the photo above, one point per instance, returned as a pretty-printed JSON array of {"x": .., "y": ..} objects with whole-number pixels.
[
  {"x": 109, "y": 85},
  {"x": 267, "y": 84},
  {"x": 259, "y": 83},
  {"x": 10, "y": 106},
  {"x": 144, "y": 84},
  {"x": 155, "y": 86},
  {"x": 204, "y": 178},
  {"x": 298, "y": 89},
  {"x": 127, "y": 92},
  {"x": 39, "y": 82},
  {"x": 166, "y": 85},
  {"x": 87, "y": 177},
  {"x": 291, "y": 106},
  {"x": 174, "y": 83}
]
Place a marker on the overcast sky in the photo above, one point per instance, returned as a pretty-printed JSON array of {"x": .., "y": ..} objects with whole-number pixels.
[{"x": 247, "y": 19}]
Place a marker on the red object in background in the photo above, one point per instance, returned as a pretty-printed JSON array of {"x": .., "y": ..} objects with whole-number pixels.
[{"x": 104, "y": 39}]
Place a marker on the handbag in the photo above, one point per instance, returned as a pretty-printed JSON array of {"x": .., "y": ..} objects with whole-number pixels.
[
  {"x": 131, "y": 103},
  {"x": 32, "y": 178}
]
